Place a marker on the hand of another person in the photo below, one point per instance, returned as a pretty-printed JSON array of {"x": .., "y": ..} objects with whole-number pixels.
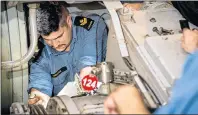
[
  {"x": 189, "y": 40},
  {"x": 125, "y": 100},
  {"x": 37, "y": 97}
]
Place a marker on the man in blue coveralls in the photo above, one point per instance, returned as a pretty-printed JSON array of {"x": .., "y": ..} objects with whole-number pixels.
[{"x": 72, "y": 45}]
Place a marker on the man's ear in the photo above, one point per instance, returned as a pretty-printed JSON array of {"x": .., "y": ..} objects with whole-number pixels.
[{"x": 69, "y": 21}]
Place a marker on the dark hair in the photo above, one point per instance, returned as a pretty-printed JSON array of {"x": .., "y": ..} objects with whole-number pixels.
[{"x": 50, "y": 15}]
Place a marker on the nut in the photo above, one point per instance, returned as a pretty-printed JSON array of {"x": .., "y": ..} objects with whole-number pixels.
[{"x": 153, "y": 20}]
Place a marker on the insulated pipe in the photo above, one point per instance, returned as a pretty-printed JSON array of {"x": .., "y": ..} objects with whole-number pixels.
[{"x": 33, "y": 41}]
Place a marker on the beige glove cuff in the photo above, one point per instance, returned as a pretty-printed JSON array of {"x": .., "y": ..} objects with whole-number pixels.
[{"x": 43, "y": 97}]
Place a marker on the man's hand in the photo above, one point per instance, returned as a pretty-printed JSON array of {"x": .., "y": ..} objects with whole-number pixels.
[
  {"x": 125, "y": 100},
  {"x": 189, "y": 40},
  {"x": 37, "y": 97}
]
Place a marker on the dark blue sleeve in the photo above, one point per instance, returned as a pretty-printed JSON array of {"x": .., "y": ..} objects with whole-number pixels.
[
  {"x": 97, "y": 32},
  {"x": 40, "y": 77},
  {"x": 184, "y": 99}
]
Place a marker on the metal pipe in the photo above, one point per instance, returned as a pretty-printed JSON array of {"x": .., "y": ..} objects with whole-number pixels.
[
  {"x": 106, "y": 75},
  {"x": 33, "y": 38},
  {"x": 112, "y": 6}
]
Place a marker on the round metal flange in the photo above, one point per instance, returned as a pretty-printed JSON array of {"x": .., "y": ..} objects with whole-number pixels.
[
  {"x": 56, "y": 106},
  {"x": 19, "y": 108},
  {"x": 37, "y": 109}
]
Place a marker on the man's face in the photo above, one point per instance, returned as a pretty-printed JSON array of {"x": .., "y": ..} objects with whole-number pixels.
[{"x": 60, "y": 40}]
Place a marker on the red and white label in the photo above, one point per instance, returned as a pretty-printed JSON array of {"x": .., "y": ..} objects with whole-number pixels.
[{"x": 89, "y": 82}]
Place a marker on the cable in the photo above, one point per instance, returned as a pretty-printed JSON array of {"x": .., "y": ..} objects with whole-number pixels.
[{"x": 128, "y": 63}]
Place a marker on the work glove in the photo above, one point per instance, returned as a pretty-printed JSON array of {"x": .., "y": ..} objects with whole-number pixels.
[{"x": 37, "y": 97}]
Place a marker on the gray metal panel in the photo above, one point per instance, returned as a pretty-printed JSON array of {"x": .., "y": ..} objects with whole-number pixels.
[
  {"x": 167, "y": 54},
  {"x": 137, "y": 34},
  {"x": 153, "y": 68},
  {"x": 113, "y": 52},
  {"x": 14, "y": 46},
  {"x": 23, "y": 43},
  {"x": 157, "y": 80},
  {"x": 15, "y": 53},
  {"x": 6, "y": 75},
  {"x": 141, "y": 66}
]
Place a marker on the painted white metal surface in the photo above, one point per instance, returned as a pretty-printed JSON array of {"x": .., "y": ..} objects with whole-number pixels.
[
  {"x": 113, "y": 52},
  {"x": 137, "y": 33},
  {"x": 166, "y": 18},
  {"x": 6, "y": 76},
  {"x": 167, "y": 54},
  {"x": 153, "y": 68},
  {"x": 145, "y": 57},
  {"x": 15, "y": 53},
  {"x": 14, "y": 46},
  {"x": 112, "y": 6},
  {"x": 23, "y": 42},
  {"x": 142, "y": 68},
  {"x": 156, "y": 79}
]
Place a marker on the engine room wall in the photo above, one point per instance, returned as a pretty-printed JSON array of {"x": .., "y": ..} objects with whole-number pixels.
[{"x": 14, "y": 45}]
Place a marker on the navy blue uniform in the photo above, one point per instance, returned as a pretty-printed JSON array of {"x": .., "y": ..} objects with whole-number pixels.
[{"x": 53, "y": 70}]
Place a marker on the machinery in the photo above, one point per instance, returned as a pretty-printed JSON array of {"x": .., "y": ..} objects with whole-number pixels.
[
  {"x": 143, "y": 50},
  {"x": 86, "y": 103}
]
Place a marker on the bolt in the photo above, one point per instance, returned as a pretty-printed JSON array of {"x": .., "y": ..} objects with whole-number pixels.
[
  {"x": 156, "y": 30},
  {"x": 165, "y": 31},
  {"x": 153, "y": 20}
]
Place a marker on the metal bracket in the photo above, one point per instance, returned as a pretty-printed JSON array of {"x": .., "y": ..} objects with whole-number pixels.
[{"x": 112, "y": 6}]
